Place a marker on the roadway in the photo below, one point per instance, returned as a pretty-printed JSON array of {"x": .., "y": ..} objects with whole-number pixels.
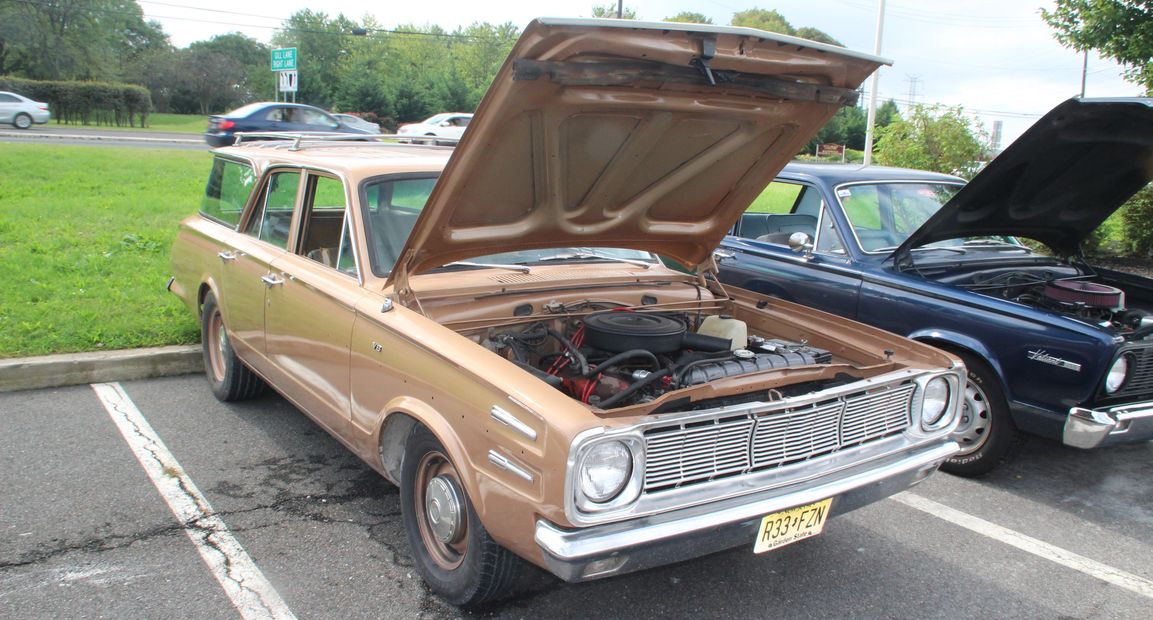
[
  {"x": 96, "y": 136},
  {"x": 85, "y": 532}
]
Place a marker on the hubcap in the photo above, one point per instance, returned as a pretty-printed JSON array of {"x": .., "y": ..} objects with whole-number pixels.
[
  {"x": 442, "y": 509},
  {"x": 976, "y": 418}
]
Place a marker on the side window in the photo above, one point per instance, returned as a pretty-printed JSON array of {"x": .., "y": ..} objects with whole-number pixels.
[
  {"x": 828, "y": 239},
  {"x": 7, "y": 98},
  {"x": 782, "y": 209},
  {"x": 326, "y": 234},
  {"x": 229, "y": 186},
  {"x": 273, "y": 219},
  {"x": 391, "y": 206}
]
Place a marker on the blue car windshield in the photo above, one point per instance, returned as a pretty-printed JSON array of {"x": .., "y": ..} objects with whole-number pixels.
[{"x": 883, "y": 215}]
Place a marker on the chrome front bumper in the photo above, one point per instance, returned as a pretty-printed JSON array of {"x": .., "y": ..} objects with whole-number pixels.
[
  {"x": 1096, "y": 428},
  {"x": 626, "y": 546}
]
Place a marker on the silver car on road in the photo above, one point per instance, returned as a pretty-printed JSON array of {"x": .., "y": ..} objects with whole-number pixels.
[{"x": 21, "y": 112}]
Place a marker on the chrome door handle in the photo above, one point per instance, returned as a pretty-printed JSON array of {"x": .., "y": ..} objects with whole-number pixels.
[
  {"x": 721, "y": 255},
  {"x": 271, "y": 280}
]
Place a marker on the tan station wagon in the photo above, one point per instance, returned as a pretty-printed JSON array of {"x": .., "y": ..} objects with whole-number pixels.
[{"x": 492, "y": 330}]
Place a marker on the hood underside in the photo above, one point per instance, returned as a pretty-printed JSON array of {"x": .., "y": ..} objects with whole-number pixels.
[
  {"x": 626, "y": 134},
  {"x": 1056, "y": 183}
]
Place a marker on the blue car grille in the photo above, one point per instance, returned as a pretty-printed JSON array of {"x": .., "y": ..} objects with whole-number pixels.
[
  {"x": 1140, "y": 380},
  {"x": 684, "y": 454}
]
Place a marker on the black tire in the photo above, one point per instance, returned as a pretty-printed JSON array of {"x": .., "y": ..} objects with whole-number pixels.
[
  {"x": 229, "y": 378},
  {"x": 469, "y": 568},
  {"x": 22, "y": 121},
  {"x": 986, "y": 432}
]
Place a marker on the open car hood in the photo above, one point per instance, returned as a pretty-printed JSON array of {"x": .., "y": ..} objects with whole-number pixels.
[
  {"x": 612, "y": 133},
  {"x": 1057, "y": 182}
]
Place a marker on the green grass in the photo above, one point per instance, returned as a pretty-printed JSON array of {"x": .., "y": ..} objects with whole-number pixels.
[
  {"x": 169, "y": 123},
  {"x": 84, "y": 242}
]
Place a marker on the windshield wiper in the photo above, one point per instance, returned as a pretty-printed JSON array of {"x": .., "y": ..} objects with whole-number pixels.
[
  {"x": 993, "y": 243},
  {"x": 593, "y": 256},
  {"x": 464, "y": 263}
]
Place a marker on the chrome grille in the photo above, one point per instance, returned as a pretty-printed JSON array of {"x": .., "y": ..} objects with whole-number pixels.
[
  {"x": 683, "y": 454},
  {"x": 1141, "y": 375}
]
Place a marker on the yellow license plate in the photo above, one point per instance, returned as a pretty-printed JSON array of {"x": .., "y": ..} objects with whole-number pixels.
[{"x": 789, "y": 526}]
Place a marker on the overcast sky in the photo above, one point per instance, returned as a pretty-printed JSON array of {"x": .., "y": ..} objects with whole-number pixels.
[{"x": 997, "y": 58}]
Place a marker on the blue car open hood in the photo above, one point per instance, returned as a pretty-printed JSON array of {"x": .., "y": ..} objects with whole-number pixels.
[{"x": 1057, "y": 182}]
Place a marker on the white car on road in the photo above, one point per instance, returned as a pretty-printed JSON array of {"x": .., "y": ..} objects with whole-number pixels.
[
  {"x": 444, "y": 125},
  {"x": 21, "y": 112}
]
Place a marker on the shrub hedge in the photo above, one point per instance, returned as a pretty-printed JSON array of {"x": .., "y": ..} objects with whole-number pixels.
[
  {"x": 87, "y": 103},
  {"x": 1138, "y": 217}
]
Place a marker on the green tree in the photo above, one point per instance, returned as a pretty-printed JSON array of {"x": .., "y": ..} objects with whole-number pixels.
[
  {"x": 1119, "y": 29},
  {"x": 935, "y": 138},
  {"x": 610, "y": 11},
  {"x": 763, "y": 19},
  {"x": 73, "y": 39},
  {"x": 773, "y": 21},
  {"x": 322, "y": 48},
  {"x": 887, "y": 112},
  {"x": 689, "y": 17}
]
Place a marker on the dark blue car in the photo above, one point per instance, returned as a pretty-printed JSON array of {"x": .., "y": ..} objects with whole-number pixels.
[
  {"x": 1054, "y": 346},
  {"x": 273, "y": 117}
]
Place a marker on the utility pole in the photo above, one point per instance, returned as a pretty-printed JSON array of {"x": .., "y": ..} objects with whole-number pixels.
[
  {"x": 620, "y": 9},
  {"x": 873, "y": 89},
  {"x": 1084, "y": 72}
]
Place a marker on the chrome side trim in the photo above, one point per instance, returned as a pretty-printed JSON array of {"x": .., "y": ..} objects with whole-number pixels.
[
  {"x": 509, "y": 466},
  {"x": 511, "y": 421}
]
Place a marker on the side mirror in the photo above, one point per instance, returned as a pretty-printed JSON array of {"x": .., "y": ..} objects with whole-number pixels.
[{"x": 800, "y": 242}]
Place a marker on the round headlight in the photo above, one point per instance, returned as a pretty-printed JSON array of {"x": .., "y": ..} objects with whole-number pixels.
[
  {"x": 1117, "y": 374},
  {"x": 934, "y": 403},
  {"x": 604, "y": 470}
]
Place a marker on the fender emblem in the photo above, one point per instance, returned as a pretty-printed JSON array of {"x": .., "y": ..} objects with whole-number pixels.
[{"x": 1040, "y": 355}]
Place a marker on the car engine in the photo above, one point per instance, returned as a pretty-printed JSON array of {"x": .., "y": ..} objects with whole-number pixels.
[
  {"x": 1084, "y": 299},
  {"x": 620, "y": 357}
]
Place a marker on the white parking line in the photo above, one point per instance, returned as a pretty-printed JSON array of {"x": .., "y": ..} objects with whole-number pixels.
[
  {"x": 1068, "y": 559},
  {"x": 228, "y": 562}
]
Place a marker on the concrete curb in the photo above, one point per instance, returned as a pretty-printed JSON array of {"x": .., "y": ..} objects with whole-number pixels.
[
  {"x": 29, "y": 373},
  {"x": 60, "y": 136}
]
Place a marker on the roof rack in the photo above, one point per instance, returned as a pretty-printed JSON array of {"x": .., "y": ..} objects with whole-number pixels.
[{"x": 299, "y": 137}]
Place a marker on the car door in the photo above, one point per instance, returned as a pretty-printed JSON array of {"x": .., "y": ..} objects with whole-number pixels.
[
  {"x": 247, "y": 272},
  {"x": 757, "y": 255},
  {"x": 310, "y": 307},
  {"x": 8, "y": 106}
]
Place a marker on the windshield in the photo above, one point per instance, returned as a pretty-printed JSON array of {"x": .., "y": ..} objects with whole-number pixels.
[
  {"x": 392, "y": 204},
  {"x": 883, "y": 215}
]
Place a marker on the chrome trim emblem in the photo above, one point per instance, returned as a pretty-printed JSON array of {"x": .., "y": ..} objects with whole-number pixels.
[
  {"x": 511, "y": 421},
  {"x": 1041, "y": 355},
  {"x": 508, "y": 465}
]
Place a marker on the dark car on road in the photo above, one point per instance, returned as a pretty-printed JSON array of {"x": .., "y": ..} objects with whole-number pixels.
[
  {"x": 1054, "y": 346},
  {"x": 273, "y": 117}
]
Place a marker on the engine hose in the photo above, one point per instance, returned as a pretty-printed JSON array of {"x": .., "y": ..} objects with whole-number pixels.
[
  {"x": 620, "y": 357},
  {"x": 572, "y": 349},
  {"x": 632, "y": 389}
]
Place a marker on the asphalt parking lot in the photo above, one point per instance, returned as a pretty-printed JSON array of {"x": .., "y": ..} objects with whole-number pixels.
[{"x": 278, "y": 520}]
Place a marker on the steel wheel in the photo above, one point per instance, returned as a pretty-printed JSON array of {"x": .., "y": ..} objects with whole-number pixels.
[
  {"x": 229, "y": 378},
  {"x": 216, "y": 340},
  {"x": 985, "y": 432},
  {"x": 439, "y": 510},
  {"x": 973, "y": 430},
  {"x": 451, "y": 548}
]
